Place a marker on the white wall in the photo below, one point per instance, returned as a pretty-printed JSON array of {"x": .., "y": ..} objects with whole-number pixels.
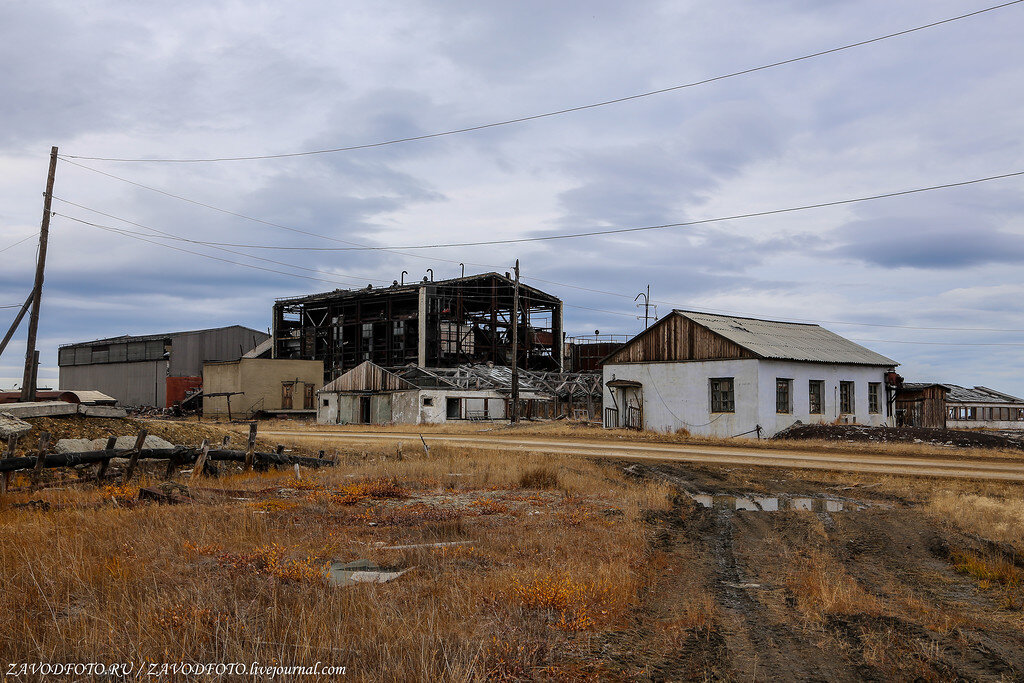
[
  {"x": 832, "y": 375},
  {"x": 677, "y": 395},
  {"x": 984, "y": 424}
]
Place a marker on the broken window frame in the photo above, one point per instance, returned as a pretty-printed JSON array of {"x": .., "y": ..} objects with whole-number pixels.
[
  {"x": 875, "y": 398},
  {"x": 783, "y": 396},
  {"x": 847, "y": 398},
  {"x": 722, "y": 394},
  {"x": 816, "y": 397}
]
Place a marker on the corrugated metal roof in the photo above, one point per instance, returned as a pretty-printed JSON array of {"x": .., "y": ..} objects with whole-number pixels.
[
  {"x": 154, "y": 337},
  {"x": 958, "y": 394},
  {"x": 777, "y": 340}
]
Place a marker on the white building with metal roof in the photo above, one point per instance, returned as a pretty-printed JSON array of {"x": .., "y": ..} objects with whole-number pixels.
[{"x": 720, "y": 375}]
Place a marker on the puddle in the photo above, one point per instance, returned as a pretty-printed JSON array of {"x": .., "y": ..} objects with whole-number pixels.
[{"x": 776, "y": 503}]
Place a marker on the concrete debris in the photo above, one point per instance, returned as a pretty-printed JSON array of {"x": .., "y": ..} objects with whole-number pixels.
[
  {"x": 10, "y": 425},
  {"x": 123, "y": 443},
  {"x": 360, "y": 571},
  {"x": 102, "y": 411},
  {"x": 40, "y": 409},
  {"x": 443, "y": 544},
  {"x": 73, "y": 446}
]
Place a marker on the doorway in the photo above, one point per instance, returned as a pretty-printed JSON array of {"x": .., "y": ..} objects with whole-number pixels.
[{"x": 364, "y": 410}]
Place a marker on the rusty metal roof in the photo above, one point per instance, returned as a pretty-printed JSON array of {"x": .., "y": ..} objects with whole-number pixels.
[{"x": 776, "y": 340}]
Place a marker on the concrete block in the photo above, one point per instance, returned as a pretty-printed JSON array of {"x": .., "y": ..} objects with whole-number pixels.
[
  {"x": 40, "y": 409},
  {"x": 10, "y": 425},
  {"x": 101, "y": 411},
  {"x": 125, "y": 442},
  {"x": 73, "y": 446}
]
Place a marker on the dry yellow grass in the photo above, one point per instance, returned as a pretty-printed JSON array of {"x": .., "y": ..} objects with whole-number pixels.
[
  {"x": 996, "y": 517},
  {"x": 242, "y": 580}
]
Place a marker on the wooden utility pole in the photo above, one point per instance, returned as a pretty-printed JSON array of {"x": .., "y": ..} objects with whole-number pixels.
[
  {"x": 17, "y": 321},
  {"x": 515, "y": 348},
  {"x": 28, "y": 384}
]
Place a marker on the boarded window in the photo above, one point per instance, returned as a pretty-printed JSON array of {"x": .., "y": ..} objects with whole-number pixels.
[
  {"x": 286, "y": 395},
  {"x": 783, "y": 396},
  {"x": 723, "y": 397},
  {"x": 816, "y": 396},
  {"x": 846, "y": 398},
  {"x": 874, "y": 397},
  {"x": 428, "y": 400},
  {"x": 307, "y": 399}
]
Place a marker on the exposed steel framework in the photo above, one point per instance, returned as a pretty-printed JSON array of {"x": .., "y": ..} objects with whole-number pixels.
[{"x": 429, "y": 324}]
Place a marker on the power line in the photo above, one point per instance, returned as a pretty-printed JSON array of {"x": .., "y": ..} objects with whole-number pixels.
[
  {"x": 197, "y": 253},
  {"x": 21, "y": 241},
  {"x": 532, "y": 279},
  {"x": 568, "y": 110},
  {"x": 896, "y": 341},
  {"x": 546, "y": 238}
]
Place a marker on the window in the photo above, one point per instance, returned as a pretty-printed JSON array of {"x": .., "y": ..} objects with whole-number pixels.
[
  {"x": 816, "y": 394},
  {"x": 874, "y": 397},
  {"x": 846, "y": 398},
  {"x": 428, "y": 400},
  {"x": 723, "y": 399},
  {"x": 783, "y": 396}
]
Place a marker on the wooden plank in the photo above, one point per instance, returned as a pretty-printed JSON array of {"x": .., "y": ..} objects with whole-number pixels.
[
  {"x": 5, "y": 479},
  {"x": 134, "y": 458},
  {"x": 251, "y": 448},
  {"x": 44, "y": 443},
  {"x": 197, "y": 471}
]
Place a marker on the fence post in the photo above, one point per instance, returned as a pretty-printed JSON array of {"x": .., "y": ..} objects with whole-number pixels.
[
  {"x": 136, "y": 451},
  {"x": 251, "y": 448},
  {"x": 197, "y": 471},
  {"x": 111, "y": 442},
  {"x": 5, "y": 480},
  {"x": 44, "y": 443}
]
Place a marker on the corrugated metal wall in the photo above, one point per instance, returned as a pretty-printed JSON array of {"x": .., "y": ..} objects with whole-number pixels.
[
  {"x": 190, "y": 350},
  {"x": 132, "y": 384}
]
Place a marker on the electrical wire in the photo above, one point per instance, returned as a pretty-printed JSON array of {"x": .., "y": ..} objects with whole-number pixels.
[
  {"x": 541, "y": 280},
  {"x": 592, "y": 233},
  {"x": 567, "y": 110},
  {"x": 21, "y": 241}
]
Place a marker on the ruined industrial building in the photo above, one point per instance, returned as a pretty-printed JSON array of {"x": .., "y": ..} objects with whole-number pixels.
[{"x": 440, "y": 324}]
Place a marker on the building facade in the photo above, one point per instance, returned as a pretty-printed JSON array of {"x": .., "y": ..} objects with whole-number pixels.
[
  {"x": 248, "y": 386},
  {"x": 982, "y": 408},
  {"x": 726, "y": 376},
  {"x": 151, "y": 370}
]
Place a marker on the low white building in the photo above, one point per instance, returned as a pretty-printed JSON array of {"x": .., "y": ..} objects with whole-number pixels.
[
  {"x": 982, "y": 408},
  {"x": 726, "y": 376},
  {"x": 370, "y": 394}
]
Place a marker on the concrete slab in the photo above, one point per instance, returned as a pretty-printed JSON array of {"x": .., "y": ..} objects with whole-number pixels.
[
  {"x": 360, "y": 571},
  {"x": 40, "y": 409},
  {"x": 101, "y": 411},
  {"x": 73, "y": 446},
  {"x": 10, "y": 425},
  {"x": 124, "y": 442}
]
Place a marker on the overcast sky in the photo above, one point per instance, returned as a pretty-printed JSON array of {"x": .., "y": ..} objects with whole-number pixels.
[{"x": 220, "y": 79}]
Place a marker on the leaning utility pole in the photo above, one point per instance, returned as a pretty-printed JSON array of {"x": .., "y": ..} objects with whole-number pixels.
[
  {"x": 28, "y": 384},
  {"x": 515, "y": 348},
  {"x": 17, "y": 321}
]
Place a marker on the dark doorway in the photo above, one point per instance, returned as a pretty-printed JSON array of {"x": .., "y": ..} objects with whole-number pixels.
[
  {"x": 307, "y": 402},
  {"x": 364, "y": 410},
  {"x": 454, "y": 409}
]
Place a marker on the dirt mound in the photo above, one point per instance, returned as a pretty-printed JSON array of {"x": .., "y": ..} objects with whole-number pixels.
[{"x": 938, "y": 437}]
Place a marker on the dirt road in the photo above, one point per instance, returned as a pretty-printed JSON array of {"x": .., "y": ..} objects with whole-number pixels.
[{"x": 996, "y": 470}]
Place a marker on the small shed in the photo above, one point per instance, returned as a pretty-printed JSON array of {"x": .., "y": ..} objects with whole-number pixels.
[
  {"x": 983, "y": 408},
  {"x": 921, "y": 404}
]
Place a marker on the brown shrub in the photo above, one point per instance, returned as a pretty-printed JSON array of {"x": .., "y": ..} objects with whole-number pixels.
[{"x": 541, "y": 477}]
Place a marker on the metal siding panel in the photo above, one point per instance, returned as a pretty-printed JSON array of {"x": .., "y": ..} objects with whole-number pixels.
[
  {"x": 135, "y": 351},
  {"x": 65, "y": 357},
  {"x": 83, "y": 355},
  {"x": 118, "y": 353},
  {"x": 132, "y": 384}
]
